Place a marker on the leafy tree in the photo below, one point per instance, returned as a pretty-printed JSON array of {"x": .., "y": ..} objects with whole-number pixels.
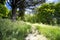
[
  {"x": 45, "y": 13},
  {"x": 21, "y": 4},
  {"x": 13, "y": 4},
  {"x": 24, "y": 4}
]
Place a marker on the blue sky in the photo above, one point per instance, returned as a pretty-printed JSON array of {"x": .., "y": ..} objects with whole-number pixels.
[
  {"x": 8, "y": 6},
  {"x": 48, "y": 1},
  {"x": 51, "y": 1}
]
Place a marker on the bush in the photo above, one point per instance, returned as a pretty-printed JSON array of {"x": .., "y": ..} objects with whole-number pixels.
[
  {"x": 51, "y": 32},
  {"x": 13, "y": 30}
]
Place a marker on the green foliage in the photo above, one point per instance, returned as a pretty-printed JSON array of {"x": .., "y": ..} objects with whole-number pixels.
[
  {"x": 3, "y": 11},
  {"x": 13, "y": 30},
  {"x": 57, "y": 7},
  {"x": 2, "y": 2},
  {"x": 57, "y": 12},
  {"x": 9, "y": 14},
  {"x": 51, "y": 32},
  {"x": 30, "y": 18},
  {"x": 45, "y": 13}
]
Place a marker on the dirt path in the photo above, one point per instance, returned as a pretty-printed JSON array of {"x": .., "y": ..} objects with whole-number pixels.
[{"x": 35, "y": 34}]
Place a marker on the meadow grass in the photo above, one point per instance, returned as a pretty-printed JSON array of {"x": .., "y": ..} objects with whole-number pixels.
[
  {"x": 16, "y": 30},
  {"x": 51, "y": 32}
]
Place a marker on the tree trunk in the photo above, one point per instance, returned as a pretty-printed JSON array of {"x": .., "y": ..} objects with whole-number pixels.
[
  {"x": 21, "y": 13},
  {"x": 22, "y": 9},
  {"x": 14, "y": 13}
]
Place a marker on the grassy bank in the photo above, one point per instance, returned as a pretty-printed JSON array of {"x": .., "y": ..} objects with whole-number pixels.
[{"x": 51, "y": 32}]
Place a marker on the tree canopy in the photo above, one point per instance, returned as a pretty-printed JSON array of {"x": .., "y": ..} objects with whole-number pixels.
[
  {"x": 3, "y": 1},
  {"x": 47, "y": 13},
  {"x": 21, "y": 4}
]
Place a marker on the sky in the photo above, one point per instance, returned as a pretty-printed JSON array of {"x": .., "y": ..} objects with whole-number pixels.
[
  {"x": 8, "y": 6},
  {"x": 47, "y": 1},
  {"x": 51, "y": 1}
]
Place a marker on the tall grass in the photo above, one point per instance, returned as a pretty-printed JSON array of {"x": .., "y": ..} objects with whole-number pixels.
[
  {"x": 51, "y": 32},
  {"x": 17, "y": 30}
]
